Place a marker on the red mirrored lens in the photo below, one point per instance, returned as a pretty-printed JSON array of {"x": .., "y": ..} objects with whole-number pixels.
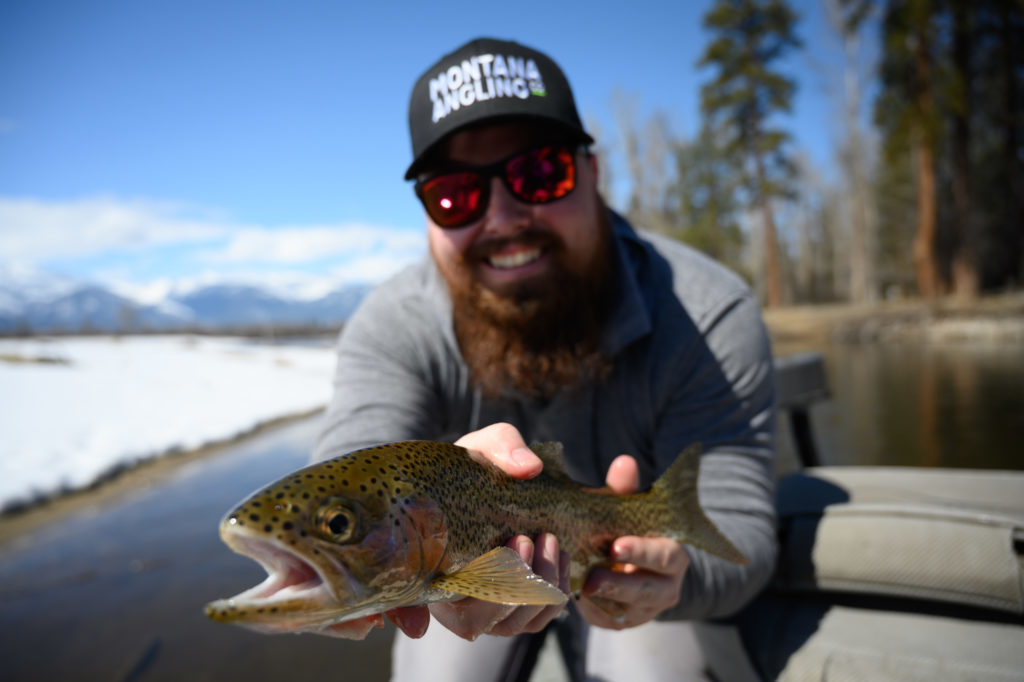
[
  {"x": 454, "y": 199},
  {"x": 541, "y": 175},
  {"x": 536, "y": 176}
]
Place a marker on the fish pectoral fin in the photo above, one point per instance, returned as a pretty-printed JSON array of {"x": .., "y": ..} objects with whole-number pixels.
[{"x": 501, "y": 576}]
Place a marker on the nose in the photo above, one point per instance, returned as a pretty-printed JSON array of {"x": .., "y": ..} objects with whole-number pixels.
[{"x": 505, "y": 215}]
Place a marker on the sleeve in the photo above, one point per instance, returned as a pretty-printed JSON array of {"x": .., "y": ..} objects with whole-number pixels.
[
  {"x": 726, "y": 401},
  {"x": 383, "y": 388}
]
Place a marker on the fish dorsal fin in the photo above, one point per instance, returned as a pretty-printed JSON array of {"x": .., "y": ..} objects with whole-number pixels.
[
  {"x": 552, "y": 454},
  {"x": 500, "y": 576}
]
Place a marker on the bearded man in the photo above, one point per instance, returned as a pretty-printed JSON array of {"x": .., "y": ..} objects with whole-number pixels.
[{"x": 542, "y": 315}]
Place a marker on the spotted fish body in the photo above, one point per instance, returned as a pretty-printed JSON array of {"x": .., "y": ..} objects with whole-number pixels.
[{"x": 418, "y": 522}]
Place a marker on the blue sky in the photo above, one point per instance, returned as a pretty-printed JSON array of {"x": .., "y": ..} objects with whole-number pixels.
[{"x": 146, "y": 143}]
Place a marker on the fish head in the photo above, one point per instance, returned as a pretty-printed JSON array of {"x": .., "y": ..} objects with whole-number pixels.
[{"x": 340, "y": 540}]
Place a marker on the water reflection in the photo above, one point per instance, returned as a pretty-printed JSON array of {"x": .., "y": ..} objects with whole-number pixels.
[{"x": 949, "y": 405}]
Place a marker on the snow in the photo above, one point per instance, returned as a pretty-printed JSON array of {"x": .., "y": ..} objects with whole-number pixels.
[{"x": 97, "y": 403}]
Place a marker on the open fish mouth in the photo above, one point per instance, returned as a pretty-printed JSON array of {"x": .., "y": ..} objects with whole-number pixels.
[{"x": 294, "y": 594}]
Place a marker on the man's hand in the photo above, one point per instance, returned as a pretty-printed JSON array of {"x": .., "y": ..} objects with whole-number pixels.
[
  {"x": 648, "y": 573},
  {"x": 503, "y": 446},
  {"x": 645, "y": 581}
]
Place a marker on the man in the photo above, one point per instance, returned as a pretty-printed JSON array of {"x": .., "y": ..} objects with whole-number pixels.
[{"x": 542, "y": 315}]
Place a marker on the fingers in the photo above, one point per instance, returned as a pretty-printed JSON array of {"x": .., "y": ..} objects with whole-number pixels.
[
  {"x": 470, "y": 618},
  {"x": 660, "y": 555},
  {"x": 623, "y": 600},
  {"x": 547, "y": 562},
  {"x": 412, "y": 620},
  {"x": 623, "y": 475},
  {"x": 353, "y": 629},
  {"x": 646, "y": 582},
  {"x": 503, "y": 446}
]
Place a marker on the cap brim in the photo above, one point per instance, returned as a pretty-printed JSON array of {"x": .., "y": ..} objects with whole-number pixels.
[{"x": 577, "y": 135}]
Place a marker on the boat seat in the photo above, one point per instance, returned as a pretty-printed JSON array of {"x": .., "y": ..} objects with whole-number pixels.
[{"x": 887, "y": 573}]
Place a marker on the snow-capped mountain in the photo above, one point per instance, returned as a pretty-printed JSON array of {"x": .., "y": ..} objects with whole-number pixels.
[{"x": 33, "y": 301}]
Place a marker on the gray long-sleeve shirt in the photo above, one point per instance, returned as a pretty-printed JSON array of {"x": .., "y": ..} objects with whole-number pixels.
[{"x": 692, "y": 363}]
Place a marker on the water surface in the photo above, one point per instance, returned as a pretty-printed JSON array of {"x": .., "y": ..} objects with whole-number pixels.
[
  {"x": 958, "y": 405},
  {"x": 118, "y": 593}
]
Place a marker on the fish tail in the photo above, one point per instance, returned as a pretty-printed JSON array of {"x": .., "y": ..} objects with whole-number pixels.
[{"x": 677, "y": 490}]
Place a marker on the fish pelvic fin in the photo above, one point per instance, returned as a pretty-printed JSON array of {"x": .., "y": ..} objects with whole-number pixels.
[
  {"x": 677, "y": 490},
  {"x": 500, "y": 576}
]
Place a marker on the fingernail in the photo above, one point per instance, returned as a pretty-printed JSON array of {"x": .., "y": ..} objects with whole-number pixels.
[
  {"x": 525, "y": 547},
  {"x": 523, "y": 457},
  {"x": 550, "y": 547}
]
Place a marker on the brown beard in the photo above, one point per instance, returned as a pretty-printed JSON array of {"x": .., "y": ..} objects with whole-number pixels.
[{"x": 544, "y": 337}]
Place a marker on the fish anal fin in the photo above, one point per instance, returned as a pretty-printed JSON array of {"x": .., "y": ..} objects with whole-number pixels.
[{"x": 500, "y": 576}]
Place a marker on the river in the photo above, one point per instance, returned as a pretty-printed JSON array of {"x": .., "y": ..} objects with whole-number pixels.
[
  {"x": 116, "y": 592},
  {"x": 958, "y": 405}
]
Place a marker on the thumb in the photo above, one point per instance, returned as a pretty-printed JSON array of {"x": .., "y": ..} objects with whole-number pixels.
[{"x": 623, "y": 475}]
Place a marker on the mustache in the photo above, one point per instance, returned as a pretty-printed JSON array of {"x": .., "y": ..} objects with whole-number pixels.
[{"x": 530, "y": 236}]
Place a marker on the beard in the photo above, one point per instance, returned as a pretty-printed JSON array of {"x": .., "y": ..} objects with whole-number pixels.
[{"x": 543, "y": 335}]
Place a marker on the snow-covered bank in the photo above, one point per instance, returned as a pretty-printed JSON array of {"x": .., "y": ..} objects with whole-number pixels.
[{"x": 72, "y": 409}]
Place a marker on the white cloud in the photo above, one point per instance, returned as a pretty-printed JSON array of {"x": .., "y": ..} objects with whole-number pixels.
[
  {"x": 304, "y": 244},
  {"x": 34, "y": 231},
  {"x": 128, "y": 245},
  {"x": 379, "y": 267}
]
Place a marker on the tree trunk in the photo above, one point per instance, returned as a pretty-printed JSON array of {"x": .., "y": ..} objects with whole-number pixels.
[
  {"x": 863, "y": 286},
  {"x": 924, "y": 241},
  {"x": 1014, "y": 174},
  {"x": 965, "y": 267},
  {"x": 772, "y": 273}
]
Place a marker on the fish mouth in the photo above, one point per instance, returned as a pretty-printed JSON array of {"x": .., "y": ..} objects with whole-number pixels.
[{"x": 294, "y": 595}]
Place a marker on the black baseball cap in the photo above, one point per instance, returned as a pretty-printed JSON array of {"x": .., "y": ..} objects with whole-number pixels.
[{"x": 488, "y": 79}]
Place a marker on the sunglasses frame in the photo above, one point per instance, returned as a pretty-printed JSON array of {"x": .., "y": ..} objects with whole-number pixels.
[{"x": 488, "y": 172}]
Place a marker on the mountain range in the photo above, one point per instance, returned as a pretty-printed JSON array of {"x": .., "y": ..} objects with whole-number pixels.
[{"x": 36, "y": 302}]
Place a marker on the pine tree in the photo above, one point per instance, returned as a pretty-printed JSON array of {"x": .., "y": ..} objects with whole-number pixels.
[
  {"x": 741, "y": 99},
  {"x": 703, "y": 198},
  {"x": 907, "y": 113}
]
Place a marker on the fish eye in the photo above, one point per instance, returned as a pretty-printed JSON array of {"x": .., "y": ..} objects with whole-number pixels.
[{"x": 337, "y": 522}]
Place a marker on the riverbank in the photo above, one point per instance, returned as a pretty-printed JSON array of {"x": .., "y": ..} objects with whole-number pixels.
[
  {"x": 793, "y": 328},
  {"x": 124, "y": 482},
  {"x": 77, "y": 410},
  {"x": 948, "y": 320}
]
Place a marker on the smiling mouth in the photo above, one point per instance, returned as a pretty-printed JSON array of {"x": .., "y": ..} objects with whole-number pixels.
[{"x": 514, "y": 260}]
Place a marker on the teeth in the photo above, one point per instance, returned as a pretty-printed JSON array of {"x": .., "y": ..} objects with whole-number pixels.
[{"x": 514, "y": 260}]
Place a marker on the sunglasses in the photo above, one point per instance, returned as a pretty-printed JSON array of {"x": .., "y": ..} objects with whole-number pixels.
[{"x": 456, "y": 198}]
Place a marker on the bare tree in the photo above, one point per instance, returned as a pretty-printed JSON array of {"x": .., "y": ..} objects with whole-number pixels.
[{"x": 848, "y": 17}]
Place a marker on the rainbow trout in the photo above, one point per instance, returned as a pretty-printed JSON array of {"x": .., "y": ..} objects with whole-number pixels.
[{"x": 419, "y": 522}]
